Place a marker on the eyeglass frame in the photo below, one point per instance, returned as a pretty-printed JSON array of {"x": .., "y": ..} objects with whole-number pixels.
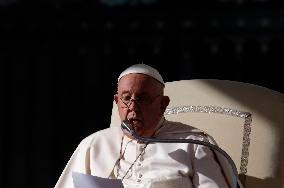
[{"x": 127, "y": 104}]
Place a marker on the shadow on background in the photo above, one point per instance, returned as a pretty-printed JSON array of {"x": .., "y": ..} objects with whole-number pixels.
[{"x": 58, "y": 71}]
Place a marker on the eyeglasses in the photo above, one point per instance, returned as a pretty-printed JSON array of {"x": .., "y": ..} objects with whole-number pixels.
[{"x": 141, "y": 101}]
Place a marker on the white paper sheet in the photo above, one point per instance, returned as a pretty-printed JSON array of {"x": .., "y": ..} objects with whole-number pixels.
[{"x": 88, "y": 181}]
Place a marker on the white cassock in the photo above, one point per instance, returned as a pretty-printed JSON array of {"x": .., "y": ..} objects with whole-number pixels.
[{"x": 162, "y": 165}]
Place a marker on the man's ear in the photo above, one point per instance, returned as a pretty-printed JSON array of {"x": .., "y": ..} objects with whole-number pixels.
[
  {"x": 115, "y": 97},
  {"x": 165, "y": 102}
]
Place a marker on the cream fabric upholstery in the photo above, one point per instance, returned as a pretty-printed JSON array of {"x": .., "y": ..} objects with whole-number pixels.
[{"x": 260, "y": 143}]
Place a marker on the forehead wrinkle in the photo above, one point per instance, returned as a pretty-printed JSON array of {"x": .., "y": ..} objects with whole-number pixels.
[{"x": 128, "y": 87}]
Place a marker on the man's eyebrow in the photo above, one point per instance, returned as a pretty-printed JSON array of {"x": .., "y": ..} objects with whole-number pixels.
[
  {"x": 125, "y": 92},
  {"x": 140, "y": 94}
]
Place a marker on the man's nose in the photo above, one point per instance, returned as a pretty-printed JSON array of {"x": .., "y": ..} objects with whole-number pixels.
[{"x": 133, "y": 105}]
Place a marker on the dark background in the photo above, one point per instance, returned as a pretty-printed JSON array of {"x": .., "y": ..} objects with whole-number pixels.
[{"x": 59, "y": 63}]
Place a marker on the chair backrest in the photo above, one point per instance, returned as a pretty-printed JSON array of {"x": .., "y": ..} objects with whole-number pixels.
[{"x": 246, "y": 120}]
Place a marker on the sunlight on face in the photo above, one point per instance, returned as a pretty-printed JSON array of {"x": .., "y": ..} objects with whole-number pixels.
[{"x": 140, "y": 100}]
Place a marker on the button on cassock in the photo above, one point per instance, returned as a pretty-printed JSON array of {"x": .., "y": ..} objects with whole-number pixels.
[{"x": 141, "y": 159}]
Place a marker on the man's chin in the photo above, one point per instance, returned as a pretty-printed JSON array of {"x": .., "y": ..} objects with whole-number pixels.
[{"x": 137, "y": 128}]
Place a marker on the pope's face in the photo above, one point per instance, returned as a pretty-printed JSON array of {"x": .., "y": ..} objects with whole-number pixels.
[{"x": 140, "y": 100}]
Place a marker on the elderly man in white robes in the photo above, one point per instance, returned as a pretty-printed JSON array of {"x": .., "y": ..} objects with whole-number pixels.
[{"x": 110, "y": 153}]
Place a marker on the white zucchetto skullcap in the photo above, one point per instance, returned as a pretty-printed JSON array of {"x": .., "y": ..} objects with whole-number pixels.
[{"x": 142, "y": 69}]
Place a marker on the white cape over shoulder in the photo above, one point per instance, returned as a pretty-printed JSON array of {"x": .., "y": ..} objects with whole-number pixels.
[{"x": 97, "y": 154}]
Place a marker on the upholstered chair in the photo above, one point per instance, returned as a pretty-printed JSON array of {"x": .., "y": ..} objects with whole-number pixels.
[{"x": 246, "y": 120}]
